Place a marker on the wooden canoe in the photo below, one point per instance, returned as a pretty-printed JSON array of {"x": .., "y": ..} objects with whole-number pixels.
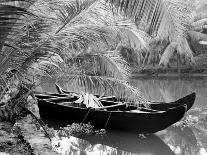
[
  {"x": 160, "y": 106},
  {"x": 132, "y": 121},
  {"x": 187, "y": 100}
]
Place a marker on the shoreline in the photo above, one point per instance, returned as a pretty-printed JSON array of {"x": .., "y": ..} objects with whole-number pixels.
[
  {"x": 170, "y": 72},
  {"x": 170, "y": 75}
]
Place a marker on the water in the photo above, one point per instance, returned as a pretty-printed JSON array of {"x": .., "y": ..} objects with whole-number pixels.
[{"x": 190, "y": 139}]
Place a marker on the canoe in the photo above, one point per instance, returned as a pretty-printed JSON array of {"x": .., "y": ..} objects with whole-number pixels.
[
  {"x": 128, "y": 120},
  {"x": 187, "y": 100},
  {"x": 66, "y": 96}
]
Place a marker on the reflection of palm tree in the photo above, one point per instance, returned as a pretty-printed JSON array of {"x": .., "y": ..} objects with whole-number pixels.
[
  {"x": 175, "y": 88},
  {"x": 166, "y": 95}
]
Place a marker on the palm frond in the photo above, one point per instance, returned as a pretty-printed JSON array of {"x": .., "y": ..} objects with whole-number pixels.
[
  {"x": 197, "y": 36},
  {"x": 168, "y": 53},
  {"x": 137, "y": 39},
  {"x": 183, "y": 48},
  {"x": 81, "y": 36},
  {"x": 100, "y": 64},
  {"x": 194, "y": 40},
  {"x": 104, "y": 86},
  {"x": 39, "y": 63},
  {"x": 157, "y": 17},
  {"x": 10, "y": 20},
  {"x": 199, "y": 23},
  {"x": 200, "y": 59},
  {"x": 101, "y": 14},
  {"x": 69, "y": 13}
]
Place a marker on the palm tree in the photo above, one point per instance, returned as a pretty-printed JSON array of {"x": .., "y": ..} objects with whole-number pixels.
[
  {"x": 63, "y": 38},
  {"x": 164, "y": 19},
  {"x": 198, "y": 35},
  {"x": 70, "y": 33}
]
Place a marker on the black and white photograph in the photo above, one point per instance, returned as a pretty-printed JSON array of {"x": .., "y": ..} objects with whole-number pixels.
[{"x": 103, "y": 77}]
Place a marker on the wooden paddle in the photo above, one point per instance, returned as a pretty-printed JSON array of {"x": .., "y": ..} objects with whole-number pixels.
[{"x": 111, "y": 106}]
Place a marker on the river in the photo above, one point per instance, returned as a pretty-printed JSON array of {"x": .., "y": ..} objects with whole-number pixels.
[{"x": 189, "y": 138}]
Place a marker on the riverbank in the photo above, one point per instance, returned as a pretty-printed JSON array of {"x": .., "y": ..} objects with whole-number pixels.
[
  {"x": 158, "y": 71},
  {"x": 25, "y": 135}
]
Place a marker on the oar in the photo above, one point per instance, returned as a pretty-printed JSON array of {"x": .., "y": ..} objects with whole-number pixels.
[
  {"x": 106, "y": 97},
  {"x": 47, "y": 96},
  {"x": 122, "y": 104},
  {"x": 58, "y": 99},
  {"x": 111, "y": 106}
]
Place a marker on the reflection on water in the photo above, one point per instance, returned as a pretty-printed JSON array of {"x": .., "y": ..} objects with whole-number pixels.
[
  {"x": 191, "y": 140},
  {"x": 169, "y": 89},
  {"x": 181, "y": 141},
  {"x": 117, "y": 143}
]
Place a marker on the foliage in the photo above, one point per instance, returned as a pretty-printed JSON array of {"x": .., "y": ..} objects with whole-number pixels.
[
  {"x": 189, "y": 121},
  {"x": 80, "y": 40},
  {"x": 77, "y": 129},
  {"x": 72, "y": 41}
]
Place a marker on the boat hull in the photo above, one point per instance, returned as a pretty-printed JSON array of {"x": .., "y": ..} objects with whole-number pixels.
[{"x": 138, "y": 122}]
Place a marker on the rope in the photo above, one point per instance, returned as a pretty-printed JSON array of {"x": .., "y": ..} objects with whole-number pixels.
[
  {"x": 107, "y": 120},
  {"x": 86, "y": 115}
]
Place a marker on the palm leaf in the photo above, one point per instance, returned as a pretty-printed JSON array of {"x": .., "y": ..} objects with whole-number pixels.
[
  {"x": 163, "y": 18},
  {"x": 197, "y": 36},
  {"x": 168, "y": 53},
  {"x": 72, "y": 11},
  {"x": 199, "y": 23},
  {"x": 194, "y": 39},
  {"x": 103, "y": 85},
  {"x": 9, "y": 20},
  {"x": 101, "y": 14},
  {"x": 100, "y": 64},
  {"x": 200, "y": 59},
  {"x": 183, "y": 48}
]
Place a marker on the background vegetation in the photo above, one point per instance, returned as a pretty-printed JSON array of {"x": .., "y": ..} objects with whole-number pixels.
[{"x": 95, "y": 45}]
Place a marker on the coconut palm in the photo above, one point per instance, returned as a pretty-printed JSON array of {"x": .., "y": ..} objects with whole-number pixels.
[
  {"x": 165, "y": 19},
  {"x": 70, "y": 33},
  {"x": 46, "y": 44},
  {"x": 198, "y": 35}
]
